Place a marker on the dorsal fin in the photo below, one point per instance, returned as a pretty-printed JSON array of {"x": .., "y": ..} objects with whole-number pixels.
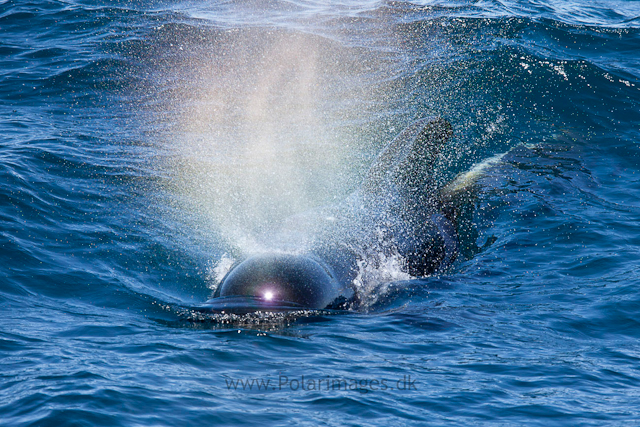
[{"x": 408, "y": 161}]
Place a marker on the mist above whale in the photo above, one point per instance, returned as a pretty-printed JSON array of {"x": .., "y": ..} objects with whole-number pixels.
[{"x": 398, "y": 211}]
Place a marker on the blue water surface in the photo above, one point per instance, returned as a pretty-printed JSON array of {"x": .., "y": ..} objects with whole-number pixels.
[{"x": 144, "y": 145}]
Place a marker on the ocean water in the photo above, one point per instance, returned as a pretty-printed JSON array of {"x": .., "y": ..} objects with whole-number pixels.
[{"x": 145, "y": 145}]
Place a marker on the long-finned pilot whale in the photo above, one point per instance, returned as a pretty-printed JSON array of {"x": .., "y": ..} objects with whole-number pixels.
[{"x": 399, "y": 210}]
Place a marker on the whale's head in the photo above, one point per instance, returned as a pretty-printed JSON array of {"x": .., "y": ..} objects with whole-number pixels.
[{"x": 276, "y": 283}]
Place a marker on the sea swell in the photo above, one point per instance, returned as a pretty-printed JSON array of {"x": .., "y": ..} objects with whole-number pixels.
[{"x": 128, "y": 172}]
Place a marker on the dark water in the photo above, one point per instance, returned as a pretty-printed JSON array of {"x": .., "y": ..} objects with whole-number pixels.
[{"x": 144, "y": 144}]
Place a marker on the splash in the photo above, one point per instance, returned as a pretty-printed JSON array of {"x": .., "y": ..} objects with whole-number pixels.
[
  {"x": 263, "y": 131},
  {"x": 217, "y": 271},
  {"x": 376, "y": 272},
  {"x": 378, "y": 264}
]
